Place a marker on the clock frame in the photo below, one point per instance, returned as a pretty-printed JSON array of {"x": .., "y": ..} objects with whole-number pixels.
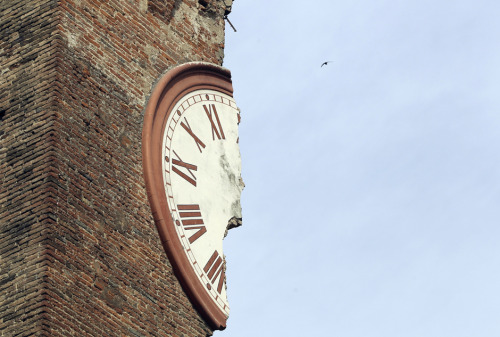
[{"x": 167, "y": 94}]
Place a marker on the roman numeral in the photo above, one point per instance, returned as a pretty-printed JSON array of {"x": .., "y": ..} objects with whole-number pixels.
[
  {"x": 215, "y": 270},
  {"x": 216, "y": 129},
  {"x": 191, "y": 220},
  {"x": 197, "y": 140},
  {"x": 189, "y": 167}
]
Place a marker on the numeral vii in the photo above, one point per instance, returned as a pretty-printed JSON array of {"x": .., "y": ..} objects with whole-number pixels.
[
  {"x": 191, "y": 220},
  {"x": 215, "y": 270},
  {"x": 216, "y": 129}
]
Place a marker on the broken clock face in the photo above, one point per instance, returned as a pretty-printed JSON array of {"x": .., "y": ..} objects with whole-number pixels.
[
  {"x": 201, "y": 172},
  {"x": 195, "y": 178}
]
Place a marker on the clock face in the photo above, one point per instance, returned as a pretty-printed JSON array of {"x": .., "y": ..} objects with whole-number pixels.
[
  {"x": 201, "y": 174},
  {"x": 192, "y": 171}
]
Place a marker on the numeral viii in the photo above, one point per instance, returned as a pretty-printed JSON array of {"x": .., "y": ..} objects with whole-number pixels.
[{"x": 191, "y": 220}]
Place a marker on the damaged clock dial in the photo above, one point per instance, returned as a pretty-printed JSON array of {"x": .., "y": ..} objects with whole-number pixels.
[{"x": 202, "y": 181}]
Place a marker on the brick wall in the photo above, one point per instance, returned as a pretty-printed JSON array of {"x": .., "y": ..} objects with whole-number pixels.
[
  {"x": 79, "y": 252},
  {"x": 27, "y": 129}
]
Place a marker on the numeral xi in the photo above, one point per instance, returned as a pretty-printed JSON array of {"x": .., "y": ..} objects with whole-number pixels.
[{"x": 216, "y": 129}]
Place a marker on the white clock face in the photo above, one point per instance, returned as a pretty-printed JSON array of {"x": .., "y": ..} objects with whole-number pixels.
[{"x": 202, "y": 181}]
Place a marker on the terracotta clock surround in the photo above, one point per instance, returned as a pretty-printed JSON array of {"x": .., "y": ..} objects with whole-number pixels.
[{"x": 173, "y": 87}]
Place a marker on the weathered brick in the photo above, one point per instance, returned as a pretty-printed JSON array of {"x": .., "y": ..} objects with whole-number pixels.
[{"x": 79, "y": 252}]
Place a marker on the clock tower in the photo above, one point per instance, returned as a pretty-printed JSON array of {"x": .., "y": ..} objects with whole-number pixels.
[{"x": 119, "y": 167}]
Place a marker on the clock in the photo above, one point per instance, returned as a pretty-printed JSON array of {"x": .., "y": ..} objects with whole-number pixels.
[{"x": 192, "y": 169}]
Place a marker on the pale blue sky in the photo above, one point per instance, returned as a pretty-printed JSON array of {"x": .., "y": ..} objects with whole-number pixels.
[{"x": 373, "y": 183}]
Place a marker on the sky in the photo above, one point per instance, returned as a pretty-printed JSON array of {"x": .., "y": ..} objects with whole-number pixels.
[{"x": 371, "y": 205}]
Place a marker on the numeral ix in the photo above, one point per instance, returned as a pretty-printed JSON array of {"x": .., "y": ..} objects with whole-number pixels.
[{"x": 177, "y": 163}]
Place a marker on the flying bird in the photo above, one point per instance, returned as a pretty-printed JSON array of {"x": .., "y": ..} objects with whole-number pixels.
[{"x": 325, "y": 63}]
